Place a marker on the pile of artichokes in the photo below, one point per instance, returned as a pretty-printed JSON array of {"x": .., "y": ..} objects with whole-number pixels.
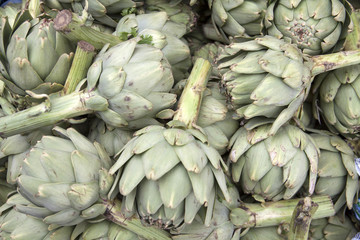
[{"x": 179, "y": 119}]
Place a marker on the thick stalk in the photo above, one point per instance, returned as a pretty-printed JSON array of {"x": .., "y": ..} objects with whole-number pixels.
[
  {"x": 74, "y": 29},
  {"x": 114, "y": 214},
  {"x": 84, "y": 55},
  {"x": 301, "y": 219},
  {"x": 274, "y": 213},
  {"x": 352, "y": 41},
  {"x": 51, "y": 111},
  {"x": 190, "y": 100},
  {"x": 324, "y": 63}
]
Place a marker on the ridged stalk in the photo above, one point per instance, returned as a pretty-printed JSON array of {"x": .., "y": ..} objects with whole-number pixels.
[
  {"x": 301, "y": 219},
  {"x": 328, "y": 62},
  {"x": 190, "y": 100},
  {"x": 52, "y": 111},
  {"x": 274, "y": 213},
  {"x": 84, "y": 55},
  {"x": 73, "y": 28},
  {"x": 115, "y": 215}
]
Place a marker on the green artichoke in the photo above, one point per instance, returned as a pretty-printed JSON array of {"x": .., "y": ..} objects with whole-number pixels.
[
  {"x": 33, "y": 55},
  {"x": 337, "y": 175},
  {"x": 19, "y": 226},
  {"x": 316, "y": 27},
  {"x": 165, "y": 36},
  {"x": 332, "y": 228},
  {"x": 150, "y": 181},
  {"x": 337, "y": 100},
  {"x": 64, "y": 178},
  {"x": 111, "y": 138},
  {"x": 256, "y": 71},
  {"x": 273, "y": 167},
  {"x": 102, "y": 230},
  {"x": 120, "y": 73},
  {"x": 239, "y": 18}
]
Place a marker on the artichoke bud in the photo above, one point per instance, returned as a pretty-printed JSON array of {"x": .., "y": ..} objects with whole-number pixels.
[
  {"x": 336, "y": 171},
  {"x": 37, "y": 57},
  {"x": 273, "y": 167},
  {"x": 129, "y": 101},
  {"x": 64, "y": 192},
  {"x": 315, "y": 27},
  {"x": 176, "y": 51},
  {"x": 254, "y": 72},
  {"x": 147, "y": 184},
  {"x": 336, "y": 100}
]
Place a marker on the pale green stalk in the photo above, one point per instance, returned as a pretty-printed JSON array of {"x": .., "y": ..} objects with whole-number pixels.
[
  {"x": 83, "y": 57},
  {"x": 190, "y": 100},
  {"x": 274, "y": 213}
]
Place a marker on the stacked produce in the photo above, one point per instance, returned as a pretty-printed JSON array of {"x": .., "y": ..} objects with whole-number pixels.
[{"x": 196, "y": 120}]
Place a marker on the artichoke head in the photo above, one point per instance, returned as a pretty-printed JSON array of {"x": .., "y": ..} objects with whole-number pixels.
[
  {"x": 265, "y": 77},
  {"x": 337, "y": 99},
  {"x": 164, "y": 172},
  {"x": 63, "y": 179},
  {"x": 33, "y": 55},
  {"x": 316, "y": 27},
  {"x": 273, "y": 167},
  {"x": 135, "y": 79}
]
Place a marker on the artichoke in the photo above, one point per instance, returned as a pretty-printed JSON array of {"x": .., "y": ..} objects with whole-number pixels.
[
  {"x": 337, "y": 99},
  {"x": 121, "y": 73},
  {"x": 149, "y": 180},
  {"x": 273, "y": 167},
  {"x": 337, "y": 175},
  {"x": 111, "y": 138},
  {"x": 256, "y": 71},
  {"x": 165, "y": 36},
  {"x": 240, "y": 18},
  {"x": 316, "y": 27},
  {"x": 33, "y": 55},
  {"x": 30, "y": 228},
  {"x": 63, "y": 179}
]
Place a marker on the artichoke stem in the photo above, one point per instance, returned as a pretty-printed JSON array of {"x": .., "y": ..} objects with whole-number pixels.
[
  {"x": 84, "y": 55},
  {"x": 328, "y": 62},
  {"x": 73, "y": 28},
  {"x": 114, "y": 214},
  {"x": 190, "y": 100},
  {"x": 51, "y": 111},
  {"x": 274, "y": 213},
  {"x": 301, "y": 219},
  {"x": 352, "y": 41}
]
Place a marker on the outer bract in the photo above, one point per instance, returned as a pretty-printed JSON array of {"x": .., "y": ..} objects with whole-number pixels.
[
  {"x": 102, "y": 230},
  {"x": 168, "y": 175},
  {"x": 337, "y": 175},
  {"x": 314, "y": 26},
  {"x": 112, "y": 139},
  {"x": 64, "y": 178},
  {"x": 33, "y": 55},
  {"x": 238, "y": 18},
  {"x": 265, "y": 77},
  {"x": 275, "y": 167},
  {"x": 165, "y": 36},
  {"x": 337, "y": 100},
  {"x": 135, "y": 79}
]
